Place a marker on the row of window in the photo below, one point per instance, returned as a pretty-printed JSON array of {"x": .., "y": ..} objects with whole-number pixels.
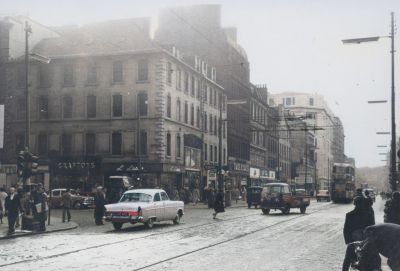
[
  {"x": 66, "y": 141},
  {"x": 67, "y": 106},
  {"x": 46, "y": 74},
  {"x": 192, "y": 118},
  {"x": 288, "y": 101},
  {"x": 211, "y": 154},
  {"x": 190, "y": 84}
]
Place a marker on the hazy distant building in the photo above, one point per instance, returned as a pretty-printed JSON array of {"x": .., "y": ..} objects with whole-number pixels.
[{"x": 326, "y": 126}]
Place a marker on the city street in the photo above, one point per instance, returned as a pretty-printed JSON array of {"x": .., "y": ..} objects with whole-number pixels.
[{"x": 239, "y": 239}]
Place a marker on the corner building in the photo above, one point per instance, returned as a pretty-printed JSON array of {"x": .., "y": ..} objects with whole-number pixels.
[{"x": 113, "y": 102}]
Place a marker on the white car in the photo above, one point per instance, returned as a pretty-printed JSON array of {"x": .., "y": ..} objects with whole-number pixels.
[{"x": 144, "y": 206}]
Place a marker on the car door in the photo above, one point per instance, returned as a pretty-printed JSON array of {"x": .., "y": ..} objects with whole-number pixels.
[
  {"x": 159, "y": 207},
  {"x": 169, "y": 207}
]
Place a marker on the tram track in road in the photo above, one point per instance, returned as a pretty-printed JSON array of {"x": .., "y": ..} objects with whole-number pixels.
[
  {"x": 229, "y": 239},
  {"x": 176, "y": 230}
]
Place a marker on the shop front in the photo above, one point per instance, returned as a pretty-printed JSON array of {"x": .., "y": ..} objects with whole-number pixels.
[
  {"x": 238, "y": 174},
  {"x": 77, "y": 172}
]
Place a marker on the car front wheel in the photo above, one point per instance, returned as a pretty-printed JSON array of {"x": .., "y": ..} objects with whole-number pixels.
[
  {"x": 77, "y": 205},
  {"x": 286, "y": 210},
  {"x": 150, "y": 223},
  {"x": 177, "y": 219},
  {"x": 265, "y": 211},
  {"x": 303, "y": 209},
  {"x": 117, "y": 225}
]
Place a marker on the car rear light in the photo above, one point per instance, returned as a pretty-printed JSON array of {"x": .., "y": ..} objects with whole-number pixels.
[{"x": 133, "y": 213}]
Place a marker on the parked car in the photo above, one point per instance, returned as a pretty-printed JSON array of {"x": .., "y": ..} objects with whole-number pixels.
[
  {"x": 78, "y": 201},
  {"x": 254, "y": 196},
  {"x": 323, "y": 195},
  {"x": 278, "y": 196},
  {"x": 371, "y": 193},
  {"x": 144, "y": 206}
]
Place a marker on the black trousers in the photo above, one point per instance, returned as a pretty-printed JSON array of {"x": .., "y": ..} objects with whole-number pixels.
[
  {"x": 12, "y": 218},
  {"x": 349, "y": 257},
  {"x": 67, "y": 213},
  {"x": 98, "y": 215}
]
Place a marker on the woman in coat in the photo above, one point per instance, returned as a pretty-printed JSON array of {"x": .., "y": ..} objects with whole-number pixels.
[{"x": 219, "y": 203}]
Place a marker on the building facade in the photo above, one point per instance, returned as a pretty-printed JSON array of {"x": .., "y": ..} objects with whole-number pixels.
[
  {"x": 111, "y": 102},
  {"x": 320, "y": 119},
  {"x": 197, "y": 30}
]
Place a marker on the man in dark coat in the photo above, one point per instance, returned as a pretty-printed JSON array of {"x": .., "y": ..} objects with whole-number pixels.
[
  {"x": 219, "y": 203},
  {"x": 356, "y": 221},
  {"x": 99, "y": 201},
  {"x": 392, "y": 209},
  {"x": 384, "y": 239},
  {"x": 13, "y": 207}
]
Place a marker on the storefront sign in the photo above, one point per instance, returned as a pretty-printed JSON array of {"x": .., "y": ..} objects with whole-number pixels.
[
  {"x": 129, "y": 168},
  {"x": 238, "y": 166},
  {"x": 272, "y": 175},
  {"x": 264, "y": 174},
  {"x": 64, "y": 164},
  {"x": 254, "y": 173}
]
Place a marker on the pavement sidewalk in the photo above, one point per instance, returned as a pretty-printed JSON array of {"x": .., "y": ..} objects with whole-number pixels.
[{"x": 55, "y": 226}]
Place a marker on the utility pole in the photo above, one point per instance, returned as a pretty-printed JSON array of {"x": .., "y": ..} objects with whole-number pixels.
[
  {"x": 202, "y": 131},
  {"x": 393, "y": 172},
  {"x": 139, "y": 142},
  {"x": 27, "y": 30},
  {"x": 221, "y": 185}
]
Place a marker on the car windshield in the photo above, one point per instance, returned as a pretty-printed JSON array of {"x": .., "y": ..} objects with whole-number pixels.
[
  {"x": 273, "y": 188},
  {"x": 136, "y": 197}
]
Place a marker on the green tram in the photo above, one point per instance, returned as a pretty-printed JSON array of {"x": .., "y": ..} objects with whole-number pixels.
[{"x": 343, "y": 183}]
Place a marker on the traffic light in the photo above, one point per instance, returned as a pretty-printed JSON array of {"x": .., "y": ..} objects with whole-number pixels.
[
  {"x": 21, "y": 164},
  {"x": 27, "y": 163},
  {"x": 34, "y": 163}
]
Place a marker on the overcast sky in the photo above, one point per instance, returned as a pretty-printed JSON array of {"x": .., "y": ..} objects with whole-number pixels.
[{"x": 292, "y": 45}]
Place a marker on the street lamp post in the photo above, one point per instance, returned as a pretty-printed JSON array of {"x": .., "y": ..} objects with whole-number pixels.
[{"x": 393, "y": 172}]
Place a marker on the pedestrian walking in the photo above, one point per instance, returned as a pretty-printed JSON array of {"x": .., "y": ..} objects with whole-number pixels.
[
  {"x": 195, "y": 195},
  {"x": 392, "y": 209},
  {"x": 356, "y": 221},
  {"x": 27, "y": 217},
  {"x": 13, "y": 207},
  {"x": 219, "y": 203},
  {"x": 1, "y": 212},
  {"x": 381, "y": 239},
  {"x": 3, "y": 196},
  {"x": 211, "y": 197},
  {"x": 66, "y": 205},
  {"x": 40, "y": 208},
  {"x": 100, "y": 202}
]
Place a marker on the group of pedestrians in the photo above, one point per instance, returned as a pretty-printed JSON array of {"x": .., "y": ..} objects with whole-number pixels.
[
  {"x": 24, "y": 209},
  {"x": 361, "y": 232}
]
